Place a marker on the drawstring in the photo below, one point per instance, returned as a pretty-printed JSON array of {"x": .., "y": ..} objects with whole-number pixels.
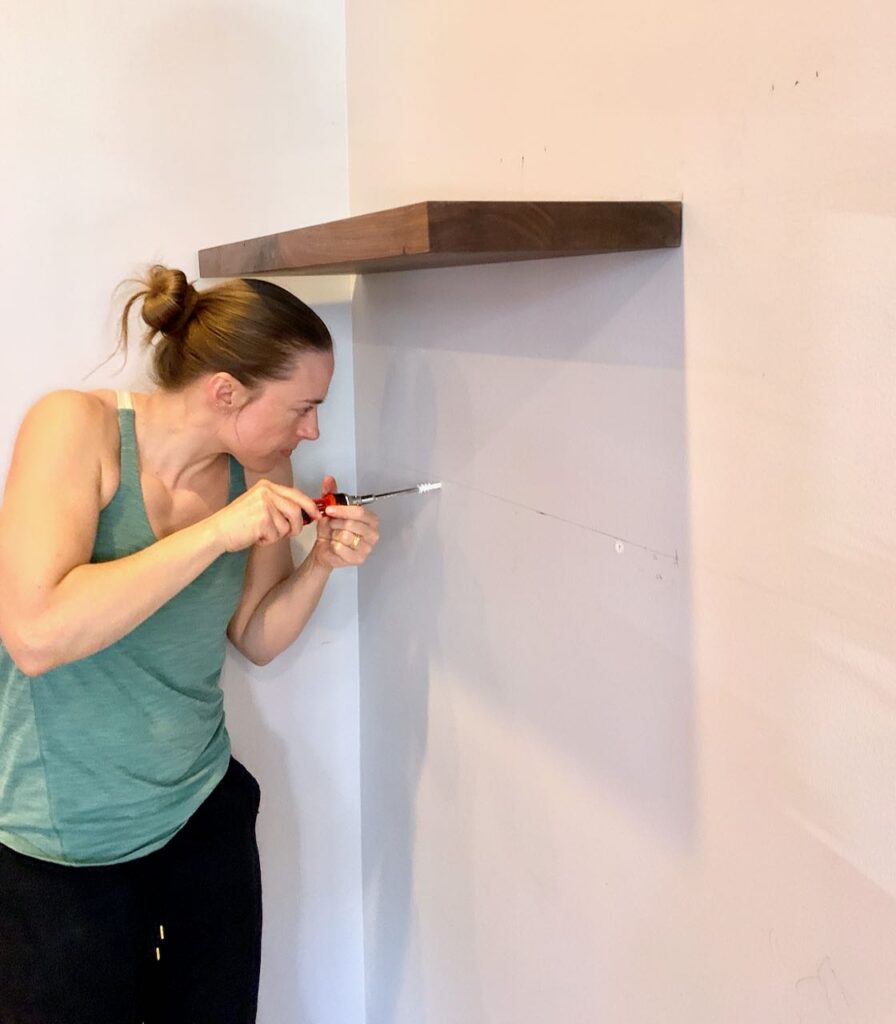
[{"x": 153, "y": 913}]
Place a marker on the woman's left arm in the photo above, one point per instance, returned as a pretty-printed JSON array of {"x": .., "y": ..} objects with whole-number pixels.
[{"x": 278, "y": 599}]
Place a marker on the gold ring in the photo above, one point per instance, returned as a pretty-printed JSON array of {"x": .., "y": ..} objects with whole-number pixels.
[{"x": 356, "y": 542}]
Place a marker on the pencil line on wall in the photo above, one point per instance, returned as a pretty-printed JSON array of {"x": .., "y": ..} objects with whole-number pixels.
[{"x": 561, "y": 519}]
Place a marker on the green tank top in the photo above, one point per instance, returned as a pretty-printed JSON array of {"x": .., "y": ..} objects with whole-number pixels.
[{"x": 104, "y": 759}]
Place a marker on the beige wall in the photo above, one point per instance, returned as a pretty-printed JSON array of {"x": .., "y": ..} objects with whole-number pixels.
[
  {"x": 141, "y": 132},
  {"x": 621, "y": 786}
]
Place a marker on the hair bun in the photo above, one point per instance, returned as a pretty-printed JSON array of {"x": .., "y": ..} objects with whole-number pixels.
[{"x": 169, "y": 300}]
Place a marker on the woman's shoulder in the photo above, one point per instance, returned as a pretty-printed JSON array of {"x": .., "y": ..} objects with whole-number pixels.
[
  {"x": 88, "y": 419},
  {"x": 90, "y": 414},
  {"x": 71, "y": 399}
]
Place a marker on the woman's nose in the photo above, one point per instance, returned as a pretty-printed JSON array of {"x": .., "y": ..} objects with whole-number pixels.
[{"x": 309, "y": 429}]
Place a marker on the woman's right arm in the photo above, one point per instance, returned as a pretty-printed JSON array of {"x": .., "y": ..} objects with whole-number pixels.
[{"x": 57, "y": 607}]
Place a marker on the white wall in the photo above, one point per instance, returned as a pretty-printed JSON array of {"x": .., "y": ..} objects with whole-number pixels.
[
  {"x": 296, "y": 723},
  {"x": 655, "y": 784},
  {"x": 143, "y": 132}
]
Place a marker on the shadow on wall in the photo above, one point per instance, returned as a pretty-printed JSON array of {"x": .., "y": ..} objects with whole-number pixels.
[
  {"x": 279, "y": 837},
  {"x": 532, "y": 620},
  {"x": 401, "y": 611},
  {"x": 291, "y": 723},
  {"x": 271, "y": 714}
]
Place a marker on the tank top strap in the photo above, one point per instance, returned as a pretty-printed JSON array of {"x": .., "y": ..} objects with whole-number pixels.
[{"x": 130, "y": 468}]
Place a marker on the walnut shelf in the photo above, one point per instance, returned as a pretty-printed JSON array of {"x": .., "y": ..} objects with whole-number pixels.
[{"x": 450, "y": 234}]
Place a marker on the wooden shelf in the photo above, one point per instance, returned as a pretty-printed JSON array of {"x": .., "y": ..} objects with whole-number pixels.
[{"x": 451, "y": 234}]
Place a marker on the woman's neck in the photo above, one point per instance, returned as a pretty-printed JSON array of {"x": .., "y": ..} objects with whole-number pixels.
[{"x": 177, "y": 434}]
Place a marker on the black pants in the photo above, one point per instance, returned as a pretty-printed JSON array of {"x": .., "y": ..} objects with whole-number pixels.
[{"x": 170, "y": 938}]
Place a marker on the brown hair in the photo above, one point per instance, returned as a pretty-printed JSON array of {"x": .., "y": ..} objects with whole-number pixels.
[{"x": 249, "y": 328}]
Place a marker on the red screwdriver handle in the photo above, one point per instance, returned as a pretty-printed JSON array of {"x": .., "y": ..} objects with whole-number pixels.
[{"x": 324, "y": 500}]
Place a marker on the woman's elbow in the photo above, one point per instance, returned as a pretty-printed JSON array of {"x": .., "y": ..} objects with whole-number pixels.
[
  {"x": 258, "y": 657},
  {"x": 30, "y": 661},
  {"x": 32, "y": 656},
  {"x": 248, "y": 652}
]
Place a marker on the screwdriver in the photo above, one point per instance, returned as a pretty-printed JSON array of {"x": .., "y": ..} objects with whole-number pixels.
[{"x": 365, "y": 499}]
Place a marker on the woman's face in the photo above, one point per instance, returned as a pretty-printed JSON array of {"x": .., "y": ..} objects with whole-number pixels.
[{"x": 282, "y": 413}]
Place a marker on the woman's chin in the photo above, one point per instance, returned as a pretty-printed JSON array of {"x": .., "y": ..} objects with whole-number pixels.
[{"x": 263, "y": 463}]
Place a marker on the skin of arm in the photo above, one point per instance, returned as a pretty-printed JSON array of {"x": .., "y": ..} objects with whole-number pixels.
[
  {"x": 278, "y": 599},
  {"x": 55, "y": 606}
]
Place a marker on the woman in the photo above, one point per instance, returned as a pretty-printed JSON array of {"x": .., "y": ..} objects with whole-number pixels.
[{"x": 136, "y": 532}]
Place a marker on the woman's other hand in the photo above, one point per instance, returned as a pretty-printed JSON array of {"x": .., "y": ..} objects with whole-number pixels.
[{"x": 346, "y": 534}]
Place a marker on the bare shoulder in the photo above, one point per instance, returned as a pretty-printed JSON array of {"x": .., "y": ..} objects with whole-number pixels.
[
  {"x": 281, "y": 473},
  {"x": 74, "y": 425},
  {"x": 65, "y": 411},
  {"x": 52, "y": 498}
]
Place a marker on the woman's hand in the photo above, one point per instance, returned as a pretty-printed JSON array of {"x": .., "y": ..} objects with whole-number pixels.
[
  {"x": 346, "y": 534},
  {"x": 265, "y": 513}
]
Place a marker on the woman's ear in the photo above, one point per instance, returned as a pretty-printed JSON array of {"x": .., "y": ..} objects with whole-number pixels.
[{"x": 225, "y": 393}]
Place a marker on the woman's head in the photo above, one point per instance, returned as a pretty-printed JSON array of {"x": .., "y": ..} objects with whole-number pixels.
[
  {"x": 251, "y": 329},
  {"x": 263, "y": 357}
]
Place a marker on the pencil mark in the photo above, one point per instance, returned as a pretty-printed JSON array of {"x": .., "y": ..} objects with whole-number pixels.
[
  {"x": 620, "y": 541},
  {"x": 825, "y": 978}
]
